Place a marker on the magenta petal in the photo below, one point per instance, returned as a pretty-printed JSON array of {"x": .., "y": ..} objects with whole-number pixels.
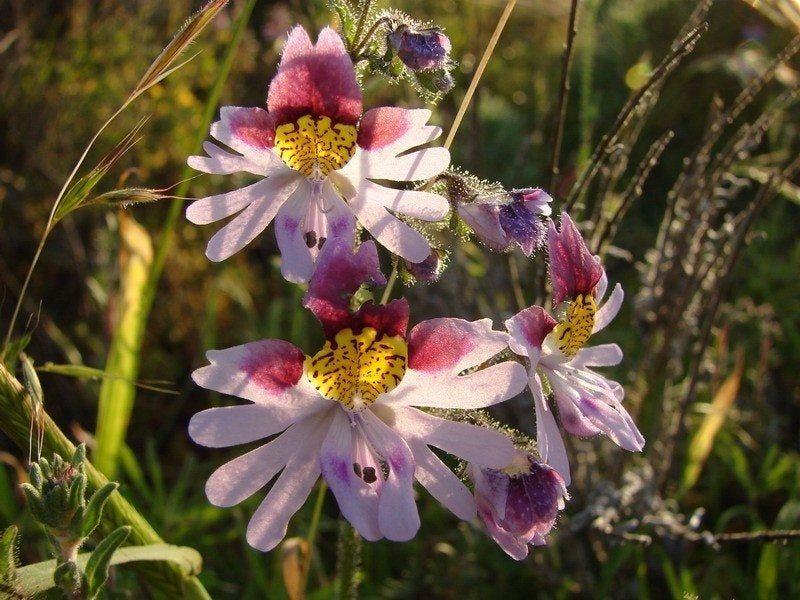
[
  {"x": 318, "y": 80},
  {"x": 528, "y": 328},
  {"x": 340, "y": 272},
  {"x": 453, "y": 345},
  {"x": 573, "y": 268}
]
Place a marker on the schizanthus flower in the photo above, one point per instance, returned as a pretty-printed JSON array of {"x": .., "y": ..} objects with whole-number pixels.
[
  {"x": 501, "y": 220},
  {"x": 350, "y": 412},
  {"x": 588, "y": 403},
  {"x": 519, "y": 504},
  {"x": 318, "y": 156}
]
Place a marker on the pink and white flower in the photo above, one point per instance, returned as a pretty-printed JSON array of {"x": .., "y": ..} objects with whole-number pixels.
[
  {"x": 351, "y": 412},
  {"x": 588, "y": 403},
  {"x": 317, "y": 157},
  {"x": 519, "y": 504}
]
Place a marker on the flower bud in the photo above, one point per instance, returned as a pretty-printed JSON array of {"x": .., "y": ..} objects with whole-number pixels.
[
  {"x": 420, "y": 50},
  {"x": 520, "y": 503},
  {"x": 520, "y": 218},
  {"x": 426, "y": 271}
]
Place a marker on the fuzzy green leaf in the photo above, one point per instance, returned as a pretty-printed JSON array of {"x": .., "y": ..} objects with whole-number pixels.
[
  {"x": 8, "y": 555},
  {"x": 97, "y": 567},
  {"x": 94, "y": 508}
]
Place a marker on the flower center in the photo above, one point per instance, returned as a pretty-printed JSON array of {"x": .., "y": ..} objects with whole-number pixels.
[
  {"x": 315, "y": 147},
  {"x": 356, "y": 369},
  {"x": 576, "y": 326}
]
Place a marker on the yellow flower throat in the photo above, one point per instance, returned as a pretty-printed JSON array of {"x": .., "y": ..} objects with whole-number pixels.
[
  {"x": 574, "y": 329},
  {"x": 356, "y": 369},
  {"x": 315, "y": 146}
]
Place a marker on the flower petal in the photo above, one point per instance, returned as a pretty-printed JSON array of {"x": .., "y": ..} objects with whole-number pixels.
[
  {"x": 390, "y": 231},
  {"x": 528, "y": 328},
  {"x": 441, "y": 482},
  {"x": 268, "y": 525},
  {"x": 297, "y": 264},
  {"x": 318, "y": 80},
  {"x": 510, "y": 544},
  {"x": 480, "y": 389},
  {"x": 482, "y": 446},
  {"x": 242, "y": 477},
  {"x": 415, "y": 166},
  {"x": 339, "y": 274},
  {"x": 222, "y": 162},
  {"x": 549, "y": 442},
  {"x": 244, "y": 228},
  {"x": 573, "y": 268},
  {"x": 267, "y": 372},
  {"x": 605, "y": 355},
  {"x": 419, "y": 205},
  {"x": 234, "y": 425},
  {"x": 452, "y": 345},
  {"x": 484, "y": 219},
  {"x": 390, "y": 129},
  {"x": 398, "y": 517},
  {"x": 357, "y": 500},
  {"x": 249, "y": 131},
  {"x": 607, "y": 312}
]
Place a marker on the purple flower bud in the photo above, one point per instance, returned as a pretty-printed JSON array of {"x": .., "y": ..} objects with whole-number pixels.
[
  {"x": 515, "y": 218},
  {"x": 420, "y": 50},
  {"x": 428, "y": 270},
  {"x": 574, "y": 271},
  {"x": 519, "y": 505}
]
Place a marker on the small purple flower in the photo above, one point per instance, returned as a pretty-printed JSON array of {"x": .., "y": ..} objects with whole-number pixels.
[
  {"x": 519, "y": 504},
  {"x": 516, "y": 218},
  {"x": 420, "y": 50},
  {"x": 520, "y": 219},
  {"x": 428, "y": 270}
]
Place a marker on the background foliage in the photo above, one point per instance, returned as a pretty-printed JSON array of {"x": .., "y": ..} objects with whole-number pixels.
[{"x": 66, "y": 66}]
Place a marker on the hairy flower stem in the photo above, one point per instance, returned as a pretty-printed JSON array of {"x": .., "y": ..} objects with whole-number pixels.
[
  {"x": 17, "y": 412},
  {"x": 473, "y": 85},
  {"x": 348, "y": 562}
]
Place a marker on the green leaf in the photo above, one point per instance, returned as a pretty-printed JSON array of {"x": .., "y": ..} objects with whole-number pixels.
[
  {"x": 38, "y": 578},
  {"x": 94, "y": 509},
  {"x": 77, "y": 490},
  {"x": 116, "y": 394},
  {"x": 97, "y": 566}
]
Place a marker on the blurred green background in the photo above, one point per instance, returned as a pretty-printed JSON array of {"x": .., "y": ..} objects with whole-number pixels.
[{"x": 66, "y": 66}]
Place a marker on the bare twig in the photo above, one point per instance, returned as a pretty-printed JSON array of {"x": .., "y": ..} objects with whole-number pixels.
[{"x": 563, "y": 93}]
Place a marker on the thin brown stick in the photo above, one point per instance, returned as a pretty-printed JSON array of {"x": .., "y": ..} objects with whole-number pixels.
[
  {"x": 473, "y": 85},
  {"x": 563, "y": 93}
]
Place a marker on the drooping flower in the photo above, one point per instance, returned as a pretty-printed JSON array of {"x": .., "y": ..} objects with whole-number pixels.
[
  {"x": 588, "y": 403},
  {"x": 420, "y": 49},
  {"x": 514, "y": 217},
  {"x": 317, "y": 157},
  {"x": 519, "y": 504},
  {"x": 350, "y": 412}
]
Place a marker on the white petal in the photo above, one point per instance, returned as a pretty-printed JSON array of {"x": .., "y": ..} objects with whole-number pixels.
[
  {"x": 242, "y": 477},
  {"x": 441, "y": 482},
  {"x": 252, "y": 221},
  {"x": 605, "y": 355},
  {"x": 419, "y": 205},
  {"x": 549, "y": 442},
  {"x": 482, "y": 446},
  {"x": 609, "y": 310}
]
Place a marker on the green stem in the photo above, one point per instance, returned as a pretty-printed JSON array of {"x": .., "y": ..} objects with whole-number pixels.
[
  {"x": 362, "y": 18},
  {"x": 348, "y": 562},
  {"x": 312, "y": 530},
  {"x": 387, "y": 291},
  {"x": 17, "y": 410}
]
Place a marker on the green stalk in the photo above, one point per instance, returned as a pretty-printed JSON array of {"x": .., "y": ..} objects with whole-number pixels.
[
  {"x": 17, "y": 410},
  {"x": 118, "y": 392},
  {"x": 348, "y": 562}
]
